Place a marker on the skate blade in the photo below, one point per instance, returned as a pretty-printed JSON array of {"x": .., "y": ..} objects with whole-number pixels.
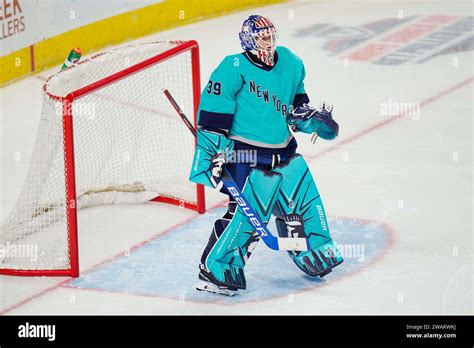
[{"x": 212, "y": 288}]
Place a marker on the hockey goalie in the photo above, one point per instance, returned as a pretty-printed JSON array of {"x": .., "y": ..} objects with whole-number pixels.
[{"x": 252, "y": 102}]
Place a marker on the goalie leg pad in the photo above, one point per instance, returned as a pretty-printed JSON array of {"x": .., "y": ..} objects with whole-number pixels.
[
  {"x": 226, "y": 260},
  {"x": 219, "y": 227},
  {"x": 300, "y": 213}
]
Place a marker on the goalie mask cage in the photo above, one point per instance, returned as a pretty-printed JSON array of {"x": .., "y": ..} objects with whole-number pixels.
[{"x": 107, "y": 135}]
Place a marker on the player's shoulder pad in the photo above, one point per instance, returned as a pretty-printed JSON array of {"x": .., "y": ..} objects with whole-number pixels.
[
  {"x": 228, "y": 69},
  {"x": 231, "y": 62},
  {"x": 286, "y": 54}
]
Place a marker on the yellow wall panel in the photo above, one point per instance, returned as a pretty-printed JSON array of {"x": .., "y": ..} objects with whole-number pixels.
[
  {"x": 15, "y": 64},
  {"x": 114, "y": 30}
]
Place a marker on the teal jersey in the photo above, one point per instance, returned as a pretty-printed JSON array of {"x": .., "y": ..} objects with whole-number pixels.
[{"x": 251, "y": 102}]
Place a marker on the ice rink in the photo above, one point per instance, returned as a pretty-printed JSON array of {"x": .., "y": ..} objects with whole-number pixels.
[{"x": 396, "y": 183}]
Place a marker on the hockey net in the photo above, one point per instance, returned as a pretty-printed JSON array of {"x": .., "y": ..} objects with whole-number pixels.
[{"x": 107, "y": 135}]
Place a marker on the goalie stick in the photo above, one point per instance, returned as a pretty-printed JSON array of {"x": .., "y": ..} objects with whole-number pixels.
[{"x": 274, "y": 243}]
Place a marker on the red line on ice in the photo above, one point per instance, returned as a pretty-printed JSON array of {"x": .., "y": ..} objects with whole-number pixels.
[
  {"x": 51, "y": 288},
  {"x": 390, "y": 120}
]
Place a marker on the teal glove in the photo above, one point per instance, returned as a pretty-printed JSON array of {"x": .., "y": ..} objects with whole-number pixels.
[{"x": 309, "y": 120}]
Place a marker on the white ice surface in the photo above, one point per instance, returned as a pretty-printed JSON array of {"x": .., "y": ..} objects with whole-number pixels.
[{"x": 402, "y": 174}]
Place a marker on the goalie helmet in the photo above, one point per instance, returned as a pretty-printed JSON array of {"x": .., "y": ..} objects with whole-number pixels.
[{"x": 258, "y": 35}]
